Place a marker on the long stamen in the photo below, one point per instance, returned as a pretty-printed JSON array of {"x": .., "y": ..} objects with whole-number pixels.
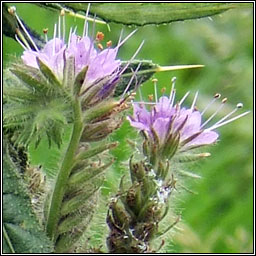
[
  {"x": 173, "y": 92},
  {"x": 23, "y": 39},
  {"x": 216, "y": 96},
  {"x": 238, "y": 106},
  {"x": 62, "y": 13},
  {"x": 59, "y": 27},
  {"x": 120, "y": 37},
  {"x": 134, "y": 75},
  {"x": 173, "y": 84},
  {"x": 18, "y": 40},
  {"x": 143, "y": 102},
  {"x": 140, "y": 93},
  {"x": 74, "y": 32},
  {"x": 121, "y": 43},
  {"x": 85, "y": 31},
  {"x": 194, "y": 101},
  {"x": 54, "y": 37},
  {"x": 228, "y": 121},
  {"x": 184, "y": 97},
  {"x": 155, "y": 89},
  {"x": 26, "y": 32},
  {"x": 91, "y": 41},
  {"x": 214, "y": 114},
  {"x": 45, "y": 31},
  {"x": 69, "y": 37},
  {"x": 132, "y": 58}
]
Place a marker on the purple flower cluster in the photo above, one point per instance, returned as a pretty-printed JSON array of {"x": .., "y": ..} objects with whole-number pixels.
[
  {"x": 55, "y": 52},
  {"x": 164, "y": 119}
]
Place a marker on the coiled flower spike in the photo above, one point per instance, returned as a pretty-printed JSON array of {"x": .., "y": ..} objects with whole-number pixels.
[
  {"x": 176, "y": 128},
  {"x": 56, "y": 53}
]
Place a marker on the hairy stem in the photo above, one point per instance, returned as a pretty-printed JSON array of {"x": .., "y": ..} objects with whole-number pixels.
[
  {"x": 6, "y": 237},
  {"x": 64, "y": 172}
]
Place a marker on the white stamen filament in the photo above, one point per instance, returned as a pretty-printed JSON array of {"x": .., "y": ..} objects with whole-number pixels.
[
  {"x": 59, "y": 28},
  {"x": 46, "y": 37},
  {"x": 120, "y": 37},
  {"x": 134, "y": 75},
  {"x": 85, "y": 31},
  {"x": 228, "y": 115},
  {"x": 140, "y": 93},
  {"x": 184, "y": 97},
  {"x": 54, "y": 37},
  {"x": 172, "y": 92},
  {"x": 91, "y": 40},
  {"x": 74, "y": 32},
  {"x": 155, "y": 90},
  {"x": 226, "y": 122},
  {"x": 142, "y": 102},
  {"x": 216, "y": 96},
  {"x": 214, "y": 114},
  {"x": 173, "y": 97},
  {"x": 121, "y": 43},
  {"x": 63, "y": 27},
  {"x": 132, "y": 58},
  {"x": 22, "y": 45},
  {"x": 194, "y": 101},
  {"x": 26, "y": 32},
  {"x": 69, "y": 37}
]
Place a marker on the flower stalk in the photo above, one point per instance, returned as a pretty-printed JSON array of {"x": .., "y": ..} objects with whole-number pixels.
[
  {"x": 64, "y": 172},
  {"x": 170, "y": 133}
]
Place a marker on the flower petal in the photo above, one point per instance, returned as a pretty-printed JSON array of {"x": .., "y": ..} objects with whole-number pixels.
[{"x": 205, "y": 138}]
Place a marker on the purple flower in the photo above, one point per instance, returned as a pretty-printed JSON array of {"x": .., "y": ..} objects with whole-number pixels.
[
  {"x": 166, "y": 122},
  {"x": 164, "y": 118},
  {"x": 86, "y": 52},
  {"x": 55, "y": 52}
]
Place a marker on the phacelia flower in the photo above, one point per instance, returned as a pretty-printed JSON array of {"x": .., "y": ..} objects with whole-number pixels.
[
  {"x": 86, "y": 52},
  {"x": 166, "y": 122}
]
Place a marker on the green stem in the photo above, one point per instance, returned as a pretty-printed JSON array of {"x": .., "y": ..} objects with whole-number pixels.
[
  {"x": 64, "y": 172},
  {"x": 8, "y": 240}
]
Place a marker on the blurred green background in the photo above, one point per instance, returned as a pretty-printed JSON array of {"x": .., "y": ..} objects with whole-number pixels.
[{"x": 219, "y": 218}]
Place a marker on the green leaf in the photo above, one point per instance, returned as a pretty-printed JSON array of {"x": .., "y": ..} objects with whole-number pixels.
[
  {"x": 151, "y": 13},
  {"x": 21, "y": 231},
  {"x": 48, "y": 73}
]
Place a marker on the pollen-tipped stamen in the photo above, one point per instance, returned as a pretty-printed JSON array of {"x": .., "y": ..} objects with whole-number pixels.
[
  {"x": 155, "y": 89},
  {"x": 216, "y": 96},
  {"x": 215, "y": 126},
  {"x": 215, "y": 113},
  {"x": 238, "y": 106},
  {"x": 62, "y": 14},
  {"x": 45, "y": 31},
  {"x": 25, "y": 30}
]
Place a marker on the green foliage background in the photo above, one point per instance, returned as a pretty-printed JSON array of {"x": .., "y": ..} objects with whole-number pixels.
[{"x": 219, "y": 218}]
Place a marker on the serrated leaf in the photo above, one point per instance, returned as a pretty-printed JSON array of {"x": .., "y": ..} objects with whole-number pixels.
[
  {"x": 22, "y": 231},
  {"x": 152, "y": 13},
  {"x": 30, "y": 77}
]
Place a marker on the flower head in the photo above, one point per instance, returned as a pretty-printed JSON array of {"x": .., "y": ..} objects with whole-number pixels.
[
  {"x": 167, "y": 124},
  {"x": 83, "y": 50}
]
